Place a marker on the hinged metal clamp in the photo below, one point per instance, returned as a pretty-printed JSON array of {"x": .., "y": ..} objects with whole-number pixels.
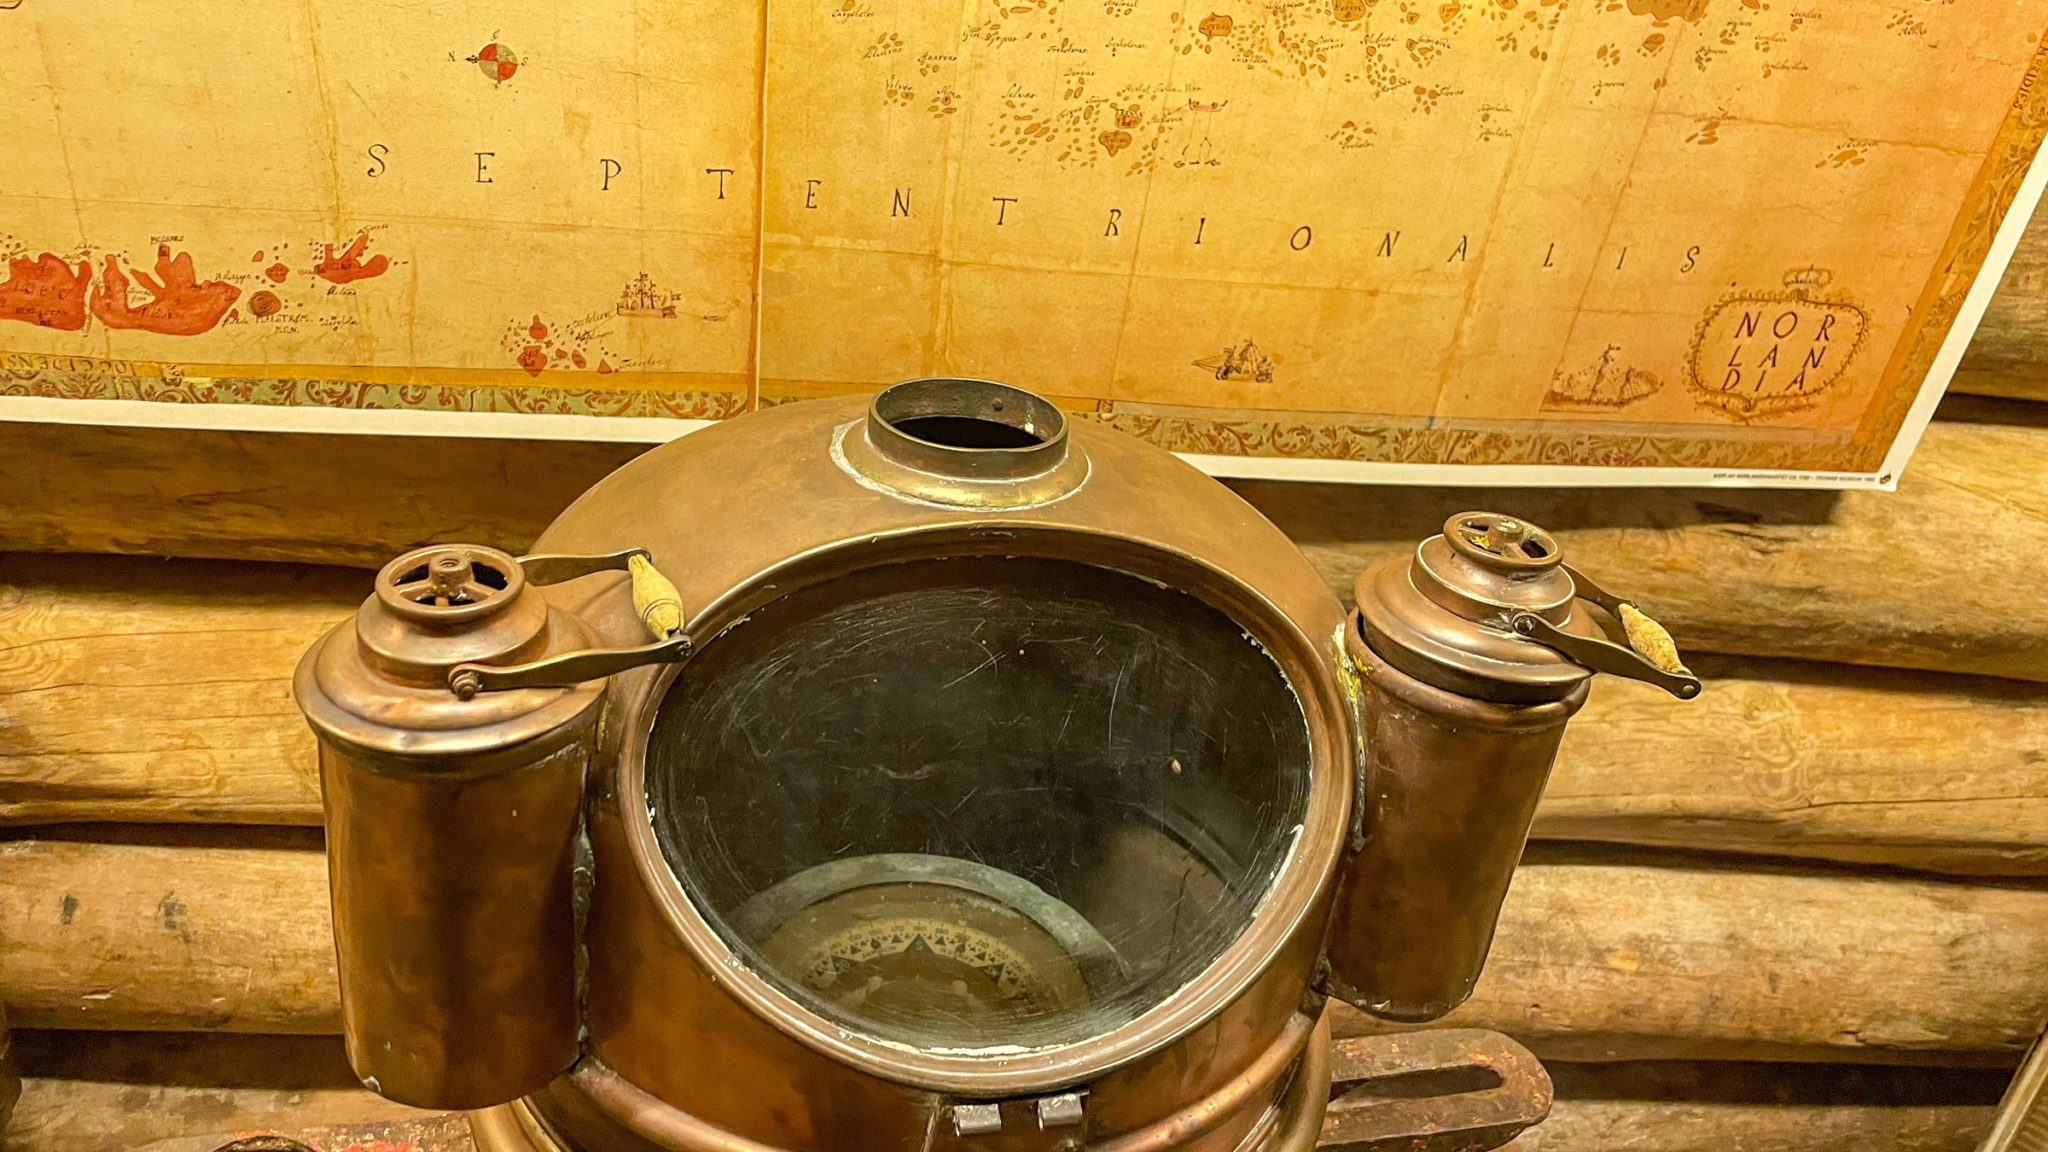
[
  {"x": 654, "y": 598},
  {"x": 1650, "y": 656}
]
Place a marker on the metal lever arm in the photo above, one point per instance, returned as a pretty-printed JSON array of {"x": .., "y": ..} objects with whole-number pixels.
[
  {"x": 566, "y": 670},
  {"x": 654, "y": 600},
  {"x": 654, "y": 597},
  {"x": 1602, "y": 656},
  {"x": 549, "y": 568},
  {"x": 1646, "y": 638}
]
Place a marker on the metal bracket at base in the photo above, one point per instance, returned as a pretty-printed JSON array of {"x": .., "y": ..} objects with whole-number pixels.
[{"x": 1443, "y": 1090}]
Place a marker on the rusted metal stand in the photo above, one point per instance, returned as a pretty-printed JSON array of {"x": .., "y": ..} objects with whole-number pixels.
[{"x": 1451, "y": 1090}]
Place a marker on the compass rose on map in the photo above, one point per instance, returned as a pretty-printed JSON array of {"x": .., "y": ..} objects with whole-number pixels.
[{"x": 497, "y": 62}]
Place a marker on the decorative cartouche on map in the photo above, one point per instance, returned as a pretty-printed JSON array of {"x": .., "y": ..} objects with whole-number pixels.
[{"x": 1763, "y": 354}]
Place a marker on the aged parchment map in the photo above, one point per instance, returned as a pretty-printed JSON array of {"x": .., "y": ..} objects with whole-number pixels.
[
  {"x": 519, "y": 206},
  {"x": 1723, "y": 235}
]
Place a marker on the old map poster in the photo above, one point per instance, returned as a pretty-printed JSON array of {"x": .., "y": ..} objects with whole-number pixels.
[
  {"x": 1581, "y": 240},
  {"x": 523, "y": 206}
]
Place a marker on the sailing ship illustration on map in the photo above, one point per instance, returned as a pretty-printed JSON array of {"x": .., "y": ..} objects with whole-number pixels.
[
  {"x": 1240, "y": 362},
  {"x": 1604, "y": 385}
]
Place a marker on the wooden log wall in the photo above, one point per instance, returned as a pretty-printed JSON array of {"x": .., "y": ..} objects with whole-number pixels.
[
  {"x": 1594, "y": 961},
  {"x": 104, "y": 1091},
  {"x": 150, "y": 690},
  {"x": 1839, "y": 855},
  {"x": 2009, "y": 354}
]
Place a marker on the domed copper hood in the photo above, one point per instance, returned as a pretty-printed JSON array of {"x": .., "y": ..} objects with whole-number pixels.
[{"x": 930, "y": 772}]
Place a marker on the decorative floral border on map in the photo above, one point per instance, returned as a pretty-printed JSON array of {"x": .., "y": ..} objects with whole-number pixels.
[
  {"x": 1335, "y": 439},
  {"x": 77, "y": 378},
  {"x": 1414, "y": 440},
  {"x": 2011, "y": 158}
]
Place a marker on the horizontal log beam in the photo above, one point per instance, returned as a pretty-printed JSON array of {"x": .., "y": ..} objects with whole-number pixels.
[
  {"x": 443, "y": 1132},
  {"x": 150, "y": 691},
  {"x": 1592, "y": 961},
  {"x": 98, "y": 1091},
  {"x": 1683, "y": 1126},
  {"x": 1916, "y": 579},
  {"x": 1859, "y": 765},
  {"x": 104, "y": 936},
  {"x": 1701, "y": 1106},
  {"x": 320, "y": 499},
  {"x": 146, "y": 690},
  {"x": 1620, "y": 962},
  {"x": 2008, "y": 356},
  {"x": 90, "y": 1116}
]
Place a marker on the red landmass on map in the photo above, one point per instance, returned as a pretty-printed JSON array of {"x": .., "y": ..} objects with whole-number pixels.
[
  {"x": 533, "y": 358},
  {"x": 351, "y": 267},
  {"x": 46, "y": 292},
  {"x": 179, "y": 305}
]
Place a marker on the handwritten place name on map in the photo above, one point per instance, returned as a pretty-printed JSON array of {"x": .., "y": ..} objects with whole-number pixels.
[
  {"x": 1756, "y": 355},
  {"x": 1507, "y": 231}
]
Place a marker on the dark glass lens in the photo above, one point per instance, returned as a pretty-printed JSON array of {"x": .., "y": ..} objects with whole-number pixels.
[{"x": 980, "y": 804}]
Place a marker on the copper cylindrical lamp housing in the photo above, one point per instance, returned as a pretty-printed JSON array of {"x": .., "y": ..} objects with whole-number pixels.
[
  {"x": 997, "y": 794},
  {"x": 1461, "y": 723},
  {"x": 451, "y": 830}
]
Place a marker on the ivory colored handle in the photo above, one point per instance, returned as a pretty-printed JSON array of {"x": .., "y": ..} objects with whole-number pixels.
[
  {"x": 1651, "y": 641},
  {"x": 655, "y": 599}
]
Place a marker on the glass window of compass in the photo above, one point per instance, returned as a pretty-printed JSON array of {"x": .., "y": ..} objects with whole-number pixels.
[{"x": 980, "y": 804}]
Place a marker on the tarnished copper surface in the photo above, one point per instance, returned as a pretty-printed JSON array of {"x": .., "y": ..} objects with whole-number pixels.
[
  {"x": 594, "y": 1107},
  {"x": 1429, "y": 695},
  {"x": 1458, "y": 1090},
  {"x": 1140, "y": 511},
  {"x": 451, "y": 828},
  {"x": 1451, "y": 788},
  {"x": 1460, "y": 717},
  {"x": 1462, "y": 1116}
]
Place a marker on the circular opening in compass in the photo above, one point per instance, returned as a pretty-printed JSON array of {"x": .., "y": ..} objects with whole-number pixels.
[
  {"x": 980, "y": 806},
  {"x": 974, "y": 429},
  {"x": 966, "y": 432}
]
